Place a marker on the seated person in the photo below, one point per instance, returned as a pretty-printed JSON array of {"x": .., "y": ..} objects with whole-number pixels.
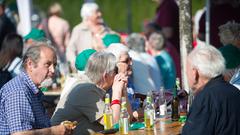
[
  {"x": 235, "y": 80},
  {"x": 75, "y": 78},
  {"x": 165, "y": 62},
  {"x": 215, "y": 108},
  {"x": 84, "y": 103},
  {"x": 230, "y": 38}
]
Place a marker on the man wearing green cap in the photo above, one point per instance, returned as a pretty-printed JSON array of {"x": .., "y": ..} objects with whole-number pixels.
[
  {"x": 88, "y": 34},
  {"x": 111, "y": 38},
  {"x": 74, "y": 79},
  {"x": 82, "y": 59},
  {"x": 33, "y": 36}
]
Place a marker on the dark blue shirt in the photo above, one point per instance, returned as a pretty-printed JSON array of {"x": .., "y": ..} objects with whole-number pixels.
[
  {"x": 215, "y": 110},
  {"x": 21, "y": 106}
]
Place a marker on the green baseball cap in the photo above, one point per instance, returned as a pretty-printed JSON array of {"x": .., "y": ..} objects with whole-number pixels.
[
  {"x": 82, "y": 58},
  {"x": 231, "y": 55},
  {"x": 111, "y": 38},
  {"x": 35, "y": 34}
]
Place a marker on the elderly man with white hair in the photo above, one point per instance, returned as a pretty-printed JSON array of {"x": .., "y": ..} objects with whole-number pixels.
[
  {"x": 88, "y": 34},
  {"x": 216, "y": 108}
]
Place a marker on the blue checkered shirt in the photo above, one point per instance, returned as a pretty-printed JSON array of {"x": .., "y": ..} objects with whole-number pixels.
[{"x": 21, "y": 106}]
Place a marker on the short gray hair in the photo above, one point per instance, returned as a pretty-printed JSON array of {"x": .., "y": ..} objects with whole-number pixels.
[
  {"x": 136, "y": 42},
  {"x": 88, "y": 9},
  {"x": 117, "y": 49},
  {"x": 98, "y": 64},
  {"x": 229, "y": 33},
  {"x": 34, "y": 51},
  {"x": 157, "y": 41},
  {"x": 207, "y": 60}
]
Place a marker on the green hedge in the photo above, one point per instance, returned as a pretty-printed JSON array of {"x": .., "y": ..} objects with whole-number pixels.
[{"x": 115, "y": 12}]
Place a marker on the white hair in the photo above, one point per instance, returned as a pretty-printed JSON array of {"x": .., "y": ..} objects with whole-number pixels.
[
  {"x": 98, "y": 64},
  {"x": 229, "y": 33},
  {"x": 117, "y": 49},
  {"x": 88, "y": 9},
  {"x": 136, "y": 42},
  {"x": 207, "y": 60}
]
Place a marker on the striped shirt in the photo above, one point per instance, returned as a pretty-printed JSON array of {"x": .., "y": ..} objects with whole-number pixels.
[{"x": 21, "y": 106}]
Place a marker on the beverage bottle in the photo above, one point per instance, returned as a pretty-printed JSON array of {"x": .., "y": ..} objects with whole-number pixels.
[
  {"x": 175, "y": 102},
  {"x": 123, "y": 120},
  {"x": 163, "y": 104},
  {"x": 108, "y": 114},
  {"x": 149, "y": 112}
]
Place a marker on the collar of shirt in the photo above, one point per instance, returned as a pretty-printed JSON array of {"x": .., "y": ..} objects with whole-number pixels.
[{"x": 30, "y": 83}]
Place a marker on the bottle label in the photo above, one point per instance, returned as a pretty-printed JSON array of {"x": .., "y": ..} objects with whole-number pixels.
[
  {"x": 163, "y": 110},
  {"x": 123, "y": 126}
]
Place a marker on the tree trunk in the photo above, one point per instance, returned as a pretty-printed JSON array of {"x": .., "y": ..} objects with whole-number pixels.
[{"x": 186, "y": 38}]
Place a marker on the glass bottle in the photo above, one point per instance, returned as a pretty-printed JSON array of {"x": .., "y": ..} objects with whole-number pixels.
[
  {"x": 175, "y": 102},
  {"x": 149, "y": 112},
  {"x": 123, "y": 120},
  {"x": 163, "y": 104},
  {"x": 108, "y": 114}
]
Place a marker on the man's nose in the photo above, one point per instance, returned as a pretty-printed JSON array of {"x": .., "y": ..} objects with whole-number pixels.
[{"x": 52, "y": 69}]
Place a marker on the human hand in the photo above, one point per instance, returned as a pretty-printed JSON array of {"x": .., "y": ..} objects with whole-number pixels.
[
  {"x": 122, "y": 68},
  {"x": 61, "y": 130},
  {"x": 119, "y": 85}
]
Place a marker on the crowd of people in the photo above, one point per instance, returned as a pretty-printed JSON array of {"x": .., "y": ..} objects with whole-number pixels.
[{"x": 95, "y": 60}]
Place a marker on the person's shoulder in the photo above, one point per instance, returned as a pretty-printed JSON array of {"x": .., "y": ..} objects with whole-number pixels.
[
  {"x": 82, "y": 88},
  {"x": 81, "y": 25},
  {"x": 63, "y": 21},
  {"x": 165, "y": 56},
  {"x": 219, "y": 88},
  {"x": 14, "y": 86}
]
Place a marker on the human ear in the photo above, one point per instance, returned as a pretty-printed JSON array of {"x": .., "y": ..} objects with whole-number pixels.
[
  {"x": 195, "y": 76},
  {"x": 30, "y": 64},
  {"x": 104, "y": 76}
]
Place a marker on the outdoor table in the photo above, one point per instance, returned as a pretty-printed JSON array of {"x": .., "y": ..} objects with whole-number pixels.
[{"x": 160, "y": 128}]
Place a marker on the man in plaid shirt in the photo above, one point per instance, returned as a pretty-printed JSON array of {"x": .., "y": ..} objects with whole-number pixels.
[{"x": 21, "y": 108}]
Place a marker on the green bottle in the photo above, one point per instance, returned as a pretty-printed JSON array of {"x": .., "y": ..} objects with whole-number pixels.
[{"x": 175, "y": 102}]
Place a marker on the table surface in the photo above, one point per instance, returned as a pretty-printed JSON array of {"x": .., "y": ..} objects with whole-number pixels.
[
  {"x": 53, "y": 92},
  {"x": 160, "y": 128}
]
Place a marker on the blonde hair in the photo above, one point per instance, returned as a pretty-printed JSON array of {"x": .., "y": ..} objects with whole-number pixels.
[{"x": 55, "y": 8}]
